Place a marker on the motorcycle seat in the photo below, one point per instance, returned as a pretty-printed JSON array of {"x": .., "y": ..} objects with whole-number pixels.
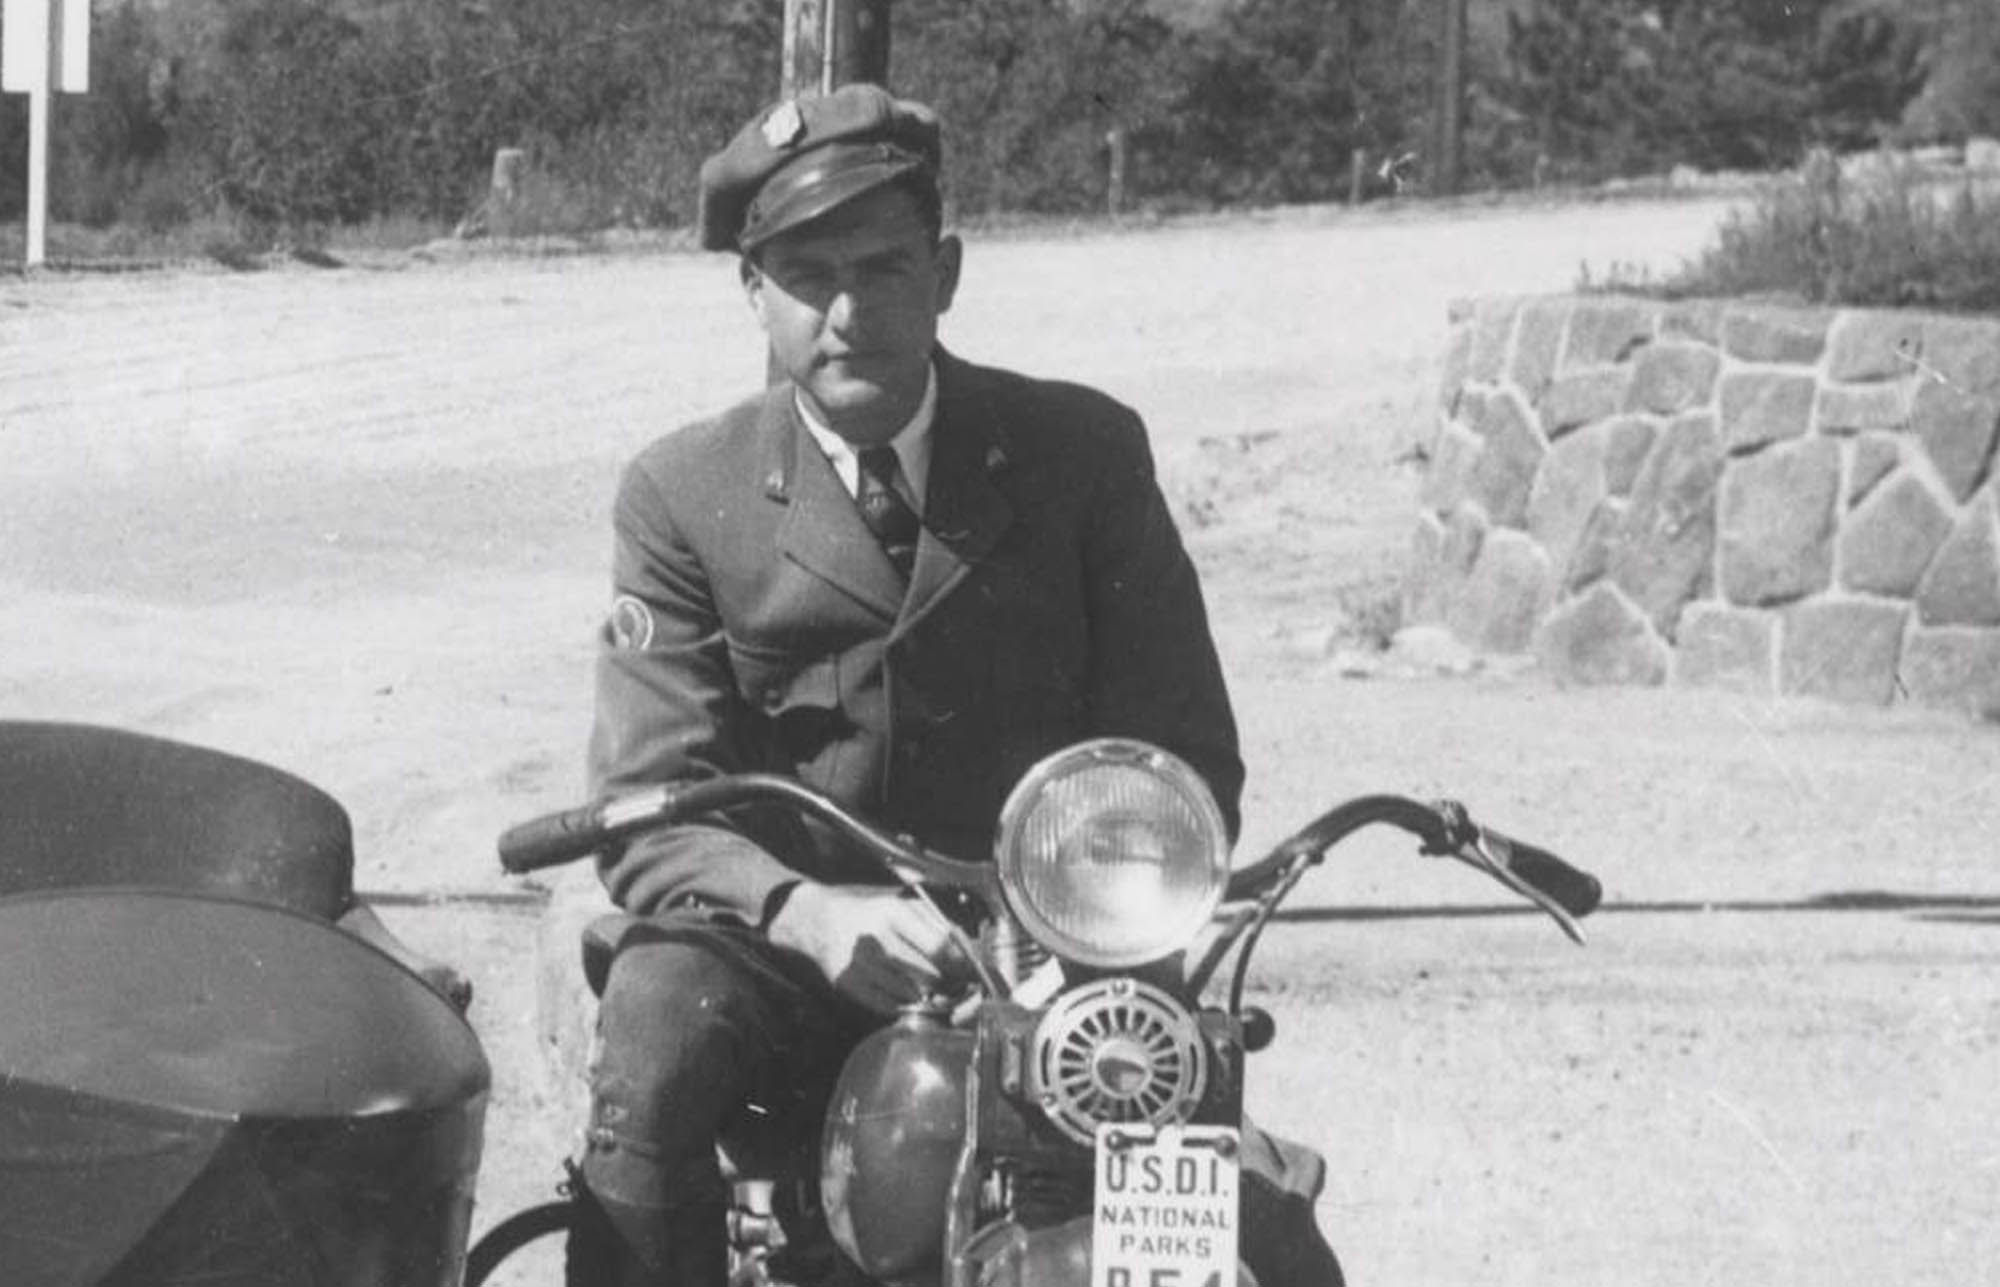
[{"x": 85, "y": 805}]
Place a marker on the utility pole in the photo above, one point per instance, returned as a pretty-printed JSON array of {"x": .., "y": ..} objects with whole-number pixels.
[
  {"x": 830, "y": 43},
  {"x": 1448, "y": 132}
]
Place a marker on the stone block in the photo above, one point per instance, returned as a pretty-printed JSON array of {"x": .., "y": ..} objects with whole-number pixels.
[
  {"x": 1955, "y": 668},
  {"x": 1508, "y": 591},
  {"x": 1627, "y": 442},
  {"x": 1450, "y": 468},
  {"x": 1604, "y": 331},
  {"x": 1567, "y": 490},
  {"x": 1718, "y": 646},
  {"x": 1863, "y": 408},
  {"x": 1591, "y": 558},
  {"x": 1537, "y": 339},
  {"x": 1964, "y": 352},
  {"x": 1957, "y": 429},
  {"x": 1504, "y": 471},
  {"x": 1699, "y": 320},
  {"x": 1777, "y": 515},
  {"x": 1600, "y": 637},
  {"x": 1873, "y": 345},
  {"x": 1427, "y": 650},
  {"x": 1792, "y": 336},
  {"x": 1425, "y": 588},
  {"x": 1583, "y": 397},
  {"x": 1982, "y": 155},
  {"x": 1888, "y": 541},
  {"x": 1464, "y": 532},
  {"x": 1763, "y": 407},
  {"x": 1845, "y": 649},
  {"x": 1492, "y": 332},
  {"x": 1962, "y": 586},
  {"x": 1874, "y": 456},
  {"x": 1670, "y": 378},
  {"x": 1457, "y": 364},
  {"x": 1662, "y": 552}
]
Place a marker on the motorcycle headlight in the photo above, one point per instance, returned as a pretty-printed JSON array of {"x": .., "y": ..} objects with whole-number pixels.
[{"x": 1112, "y": 853}]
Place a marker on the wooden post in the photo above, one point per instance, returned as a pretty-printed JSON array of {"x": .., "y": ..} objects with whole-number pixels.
[
  {"x": 36, "y": 249},
  {"x": 1357, "y": 176},
  {"x": 47, "y": 52},
  {"x": 1114, "y": 191},
  {"x": 1448, "y": 165},
  {"x": 830, "y": 43}
]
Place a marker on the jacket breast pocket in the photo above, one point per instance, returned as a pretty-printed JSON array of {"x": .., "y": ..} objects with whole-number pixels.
[{"x": 799, "y": 699}]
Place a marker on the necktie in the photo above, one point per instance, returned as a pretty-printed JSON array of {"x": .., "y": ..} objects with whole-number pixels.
[{"x": 885, "y": 511}]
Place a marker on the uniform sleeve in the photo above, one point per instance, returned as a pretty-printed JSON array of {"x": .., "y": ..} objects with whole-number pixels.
[
  {"x": 1154, "y": 673},
  {"x": 667, "y": 710}
]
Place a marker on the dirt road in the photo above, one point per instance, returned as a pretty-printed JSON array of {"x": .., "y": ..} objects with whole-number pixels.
[{"x": 353, "y": 522}]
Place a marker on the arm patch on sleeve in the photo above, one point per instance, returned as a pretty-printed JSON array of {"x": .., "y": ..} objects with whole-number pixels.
[{"x": 631, "y": 623}]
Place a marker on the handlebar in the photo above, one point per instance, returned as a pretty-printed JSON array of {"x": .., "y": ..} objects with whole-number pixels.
[
  {"x": 569, "y": 834},
  {"x": 1445, "y": 828},
  {"x": 1558, "y": 889}
]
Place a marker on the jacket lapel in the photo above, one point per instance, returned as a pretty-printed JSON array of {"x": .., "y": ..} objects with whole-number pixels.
[
  {"x": 822, "y": 531},
  {"x": 965, "y": 512}
]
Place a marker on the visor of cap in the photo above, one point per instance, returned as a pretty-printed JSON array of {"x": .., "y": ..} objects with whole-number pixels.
[{"x": 819, "y": 181}]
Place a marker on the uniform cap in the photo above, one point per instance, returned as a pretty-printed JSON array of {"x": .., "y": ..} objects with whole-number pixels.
[{"x": 802, "y": 157}]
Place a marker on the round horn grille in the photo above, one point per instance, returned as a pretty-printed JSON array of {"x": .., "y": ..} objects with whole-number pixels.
[{"x": 1117, "y": 1050}]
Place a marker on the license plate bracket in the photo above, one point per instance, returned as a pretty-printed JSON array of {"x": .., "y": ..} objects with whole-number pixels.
[{"x": 1165, "y": 1206}]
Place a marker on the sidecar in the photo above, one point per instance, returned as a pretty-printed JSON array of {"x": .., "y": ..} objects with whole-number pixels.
[{"x": 203, "y": 1076}]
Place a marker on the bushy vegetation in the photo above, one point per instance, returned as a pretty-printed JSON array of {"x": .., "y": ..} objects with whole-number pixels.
[
  {"x": 288, "y": 117},
  {"x": 1891, "y": 238}
]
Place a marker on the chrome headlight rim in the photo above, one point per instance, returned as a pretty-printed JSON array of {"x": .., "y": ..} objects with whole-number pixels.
[{"x": 1176, "y": 774}]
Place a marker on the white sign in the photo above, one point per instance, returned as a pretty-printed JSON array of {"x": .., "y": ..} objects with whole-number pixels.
[
  {"x": 25, "y": 63},
  {"x": 1165, "y": 1207}
]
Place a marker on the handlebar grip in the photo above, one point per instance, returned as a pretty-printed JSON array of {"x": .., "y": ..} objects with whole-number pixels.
[
  {"x": 553, "y": 839},
  {"x": 1574, "y": 890}
]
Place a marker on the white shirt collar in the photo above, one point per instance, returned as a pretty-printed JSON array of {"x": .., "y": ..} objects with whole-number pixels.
[{"x": 912, "y": 443}]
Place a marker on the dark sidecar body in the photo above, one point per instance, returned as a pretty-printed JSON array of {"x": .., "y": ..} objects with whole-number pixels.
[{"x": 203, "y": 1079}]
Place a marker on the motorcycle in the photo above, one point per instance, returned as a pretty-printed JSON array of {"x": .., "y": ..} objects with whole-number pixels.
[
  {"x": 1076, "y": 1116},
  {"x": 216, "y": 1063}
]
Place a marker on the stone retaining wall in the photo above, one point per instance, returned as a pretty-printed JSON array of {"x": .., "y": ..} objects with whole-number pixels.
[{"x": 1778, "y": 500}]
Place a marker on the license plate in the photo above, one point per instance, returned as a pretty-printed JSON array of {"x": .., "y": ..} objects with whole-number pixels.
[{"x": 1165, "y": 1207}]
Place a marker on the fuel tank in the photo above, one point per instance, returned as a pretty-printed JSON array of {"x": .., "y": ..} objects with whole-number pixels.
[{"x": 894, "y": 1129}]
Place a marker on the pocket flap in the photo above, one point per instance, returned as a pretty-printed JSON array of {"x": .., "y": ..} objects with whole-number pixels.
[{"x": 777, "y": 684}]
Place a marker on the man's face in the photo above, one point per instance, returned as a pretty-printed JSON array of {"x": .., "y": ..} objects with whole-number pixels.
[{"x": 850, "y": 302}]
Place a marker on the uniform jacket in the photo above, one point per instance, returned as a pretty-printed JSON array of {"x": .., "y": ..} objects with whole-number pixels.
[{"x": 758, "y": 625}]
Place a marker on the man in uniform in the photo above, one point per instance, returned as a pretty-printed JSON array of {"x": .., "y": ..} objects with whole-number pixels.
[{"x": 901, "y": 578}]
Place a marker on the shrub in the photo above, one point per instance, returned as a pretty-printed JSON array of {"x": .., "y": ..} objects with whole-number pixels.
[
  {"x": 1896, "y": 238},
  {"x": 1961, "y": 92},
  {"x": 1609, "y": 87},
  {"x": 293, "y": 126}
]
